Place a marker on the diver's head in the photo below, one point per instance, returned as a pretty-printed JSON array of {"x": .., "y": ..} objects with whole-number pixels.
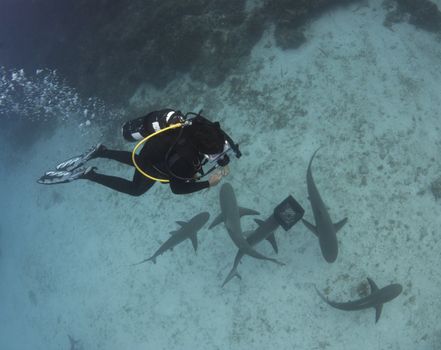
[{"x": 207, "y": 137}]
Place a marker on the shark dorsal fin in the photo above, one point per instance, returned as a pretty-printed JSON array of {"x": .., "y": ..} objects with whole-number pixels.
[
  {"x": 181, "y": 223},
  {"x": 194, "y": 242},
  {"x": 272, "y": 239},
  {"x": 340, "y": 224},
  {"x": 311, "y": 227},
  {"x": 246, "y": 211},
  {"x": 374, "y": 287}
]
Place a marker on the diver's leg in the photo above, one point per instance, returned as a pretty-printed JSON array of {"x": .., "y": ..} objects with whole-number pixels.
[
  {"x": 124, "y": 157},
  {"x": 97, "y": 151},
  {"x": 138, "y": 186}
]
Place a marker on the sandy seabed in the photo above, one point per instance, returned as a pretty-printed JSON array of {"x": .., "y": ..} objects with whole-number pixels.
[{"x": 367, "y": 94}]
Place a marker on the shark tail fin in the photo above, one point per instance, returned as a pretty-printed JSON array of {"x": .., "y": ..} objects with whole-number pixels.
[
  {"x": 153, "y": 259},
  {"x": 340, "y": 224},
  {"x": 233, "y": 273},
  {"x": 275, "y": 261}
]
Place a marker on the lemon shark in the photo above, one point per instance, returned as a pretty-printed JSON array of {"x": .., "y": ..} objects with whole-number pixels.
[
  {"x": 375, "y": 299},
  {"x": 324, "y": 229},
  {"x": 286, "y": 214},
  {"x": 230, "y": 215},
  {"x": 265, "y": 231},
  {"x": 187, "y": 230}
]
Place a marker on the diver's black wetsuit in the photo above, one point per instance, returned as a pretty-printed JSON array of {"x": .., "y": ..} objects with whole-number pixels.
[{"x": 184, "y": 161}]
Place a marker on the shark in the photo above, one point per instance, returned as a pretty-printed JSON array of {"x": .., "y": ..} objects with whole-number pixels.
[
  {"x": 375, "y": 299},
  {"x": 74, "y": 344},
  {"x": 230, "y": 215},
  {"x": 264, "y": 231},
  {"x": 187, "y": 230},
  {"x": 324, "y": 228}
]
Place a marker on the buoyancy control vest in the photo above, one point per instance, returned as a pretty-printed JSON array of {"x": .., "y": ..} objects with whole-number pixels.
[{"x": 139, "y": 128}]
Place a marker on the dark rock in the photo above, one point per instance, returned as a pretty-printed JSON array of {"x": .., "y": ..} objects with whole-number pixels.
[
  {"x": 107, "y": 48},
  {"x": 223, "y": 50},
  {"x": 393, "y": 17},
  {"x": 157, "y": 40},
  {"x": 290, "y": 15},
  {"x": 298, "y": 12},
  {"x": 423, "y": 13},
  {"x": 289, "y": 38}
]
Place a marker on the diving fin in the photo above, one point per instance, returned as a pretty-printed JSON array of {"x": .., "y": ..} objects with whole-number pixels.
[
  {"x": 62, "y": 176},
  {"x": 78, "y": 161}
]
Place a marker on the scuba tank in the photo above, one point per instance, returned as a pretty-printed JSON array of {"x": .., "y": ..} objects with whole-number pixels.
[{"x": 139, "y": 128}]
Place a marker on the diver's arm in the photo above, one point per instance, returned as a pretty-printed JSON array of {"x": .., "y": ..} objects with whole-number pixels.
[{"x": 180, "y": 186}]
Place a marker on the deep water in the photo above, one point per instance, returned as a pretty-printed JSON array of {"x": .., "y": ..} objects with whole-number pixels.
[{"x": 360, "y": 79}]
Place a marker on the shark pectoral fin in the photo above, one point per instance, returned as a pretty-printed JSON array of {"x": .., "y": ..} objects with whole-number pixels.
[
  {"x": 171, "y": 233},
  {"x": 181, "y": 223},
  {"x": 379, "y": 307},
  {"x": 246, "y": 211},
  {"x": 259, "y": 222},
  {"x": 340, "y": 224},
  {"x": 373, "y": 285},
  {"x": 194, "y": 242},
  {"x": 217, "y": 221},
  {"x": 378, "y": 310},
  {"x": 311, "y": 227},
  {"x": 272, "y": 239}
]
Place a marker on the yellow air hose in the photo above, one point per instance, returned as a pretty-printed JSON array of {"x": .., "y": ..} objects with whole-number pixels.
[{"x": 144, "y": 140}]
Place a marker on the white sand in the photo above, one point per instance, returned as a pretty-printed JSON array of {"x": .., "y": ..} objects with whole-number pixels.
[{"x": 369, "y": 95}]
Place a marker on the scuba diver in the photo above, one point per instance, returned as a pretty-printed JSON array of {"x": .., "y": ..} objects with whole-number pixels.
[{"x": 175, "y": 150}]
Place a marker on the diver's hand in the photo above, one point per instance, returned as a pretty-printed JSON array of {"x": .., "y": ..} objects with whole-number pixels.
[
  {"x": 225, "y": 171},
  {"x": 215, "y": 179}
]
